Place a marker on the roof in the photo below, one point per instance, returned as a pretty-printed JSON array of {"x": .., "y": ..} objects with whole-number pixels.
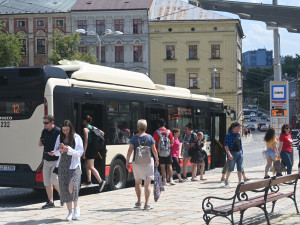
[
  {"x": 98, "y": 5},
  {"x": 273, "y": 15},
  {"x": 33, "y": 6},
  {"x": 180, "y": 10}
]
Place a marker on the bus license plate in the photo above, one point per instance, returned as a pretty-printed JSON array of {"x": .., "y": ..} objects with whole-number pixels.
[{"x": 7, "y": 168}]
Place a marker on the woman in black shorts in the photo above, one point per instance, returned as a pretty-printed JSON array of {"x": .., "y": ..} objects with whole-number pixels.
[{"x": 89, "y": 154}]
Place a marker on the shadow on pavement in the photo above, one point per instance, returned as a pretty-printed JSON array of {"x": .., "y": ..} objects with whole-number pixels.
[{"x": 33, "y": 222}]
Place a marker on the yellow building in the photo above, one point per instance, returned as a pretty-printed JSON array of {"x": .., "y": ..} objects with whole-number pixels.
[{"x": 186, "y": 42}]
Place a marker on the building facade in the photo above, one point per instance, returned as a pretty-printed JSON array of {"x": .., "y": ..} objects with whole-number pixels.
[
  {"x": 258, "y": 58},
  {"x": 187, "y": 42},
  {"x": 128, "y": 51},
  {"x": 36, "y": 21}
]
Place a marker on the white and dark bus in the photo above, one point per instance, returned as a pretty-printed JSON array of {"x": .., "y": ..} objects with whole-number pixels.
[{"x": 114, "y": 98}]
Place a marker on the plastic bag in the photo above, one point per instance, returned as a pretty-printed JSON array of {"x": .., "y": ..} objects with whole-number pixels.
[{"x": 158, "y": 185}]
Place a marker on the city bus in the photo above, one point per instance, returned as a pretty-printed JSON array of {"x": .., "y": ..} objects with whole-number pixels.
[{"x": 114, "y": 98}]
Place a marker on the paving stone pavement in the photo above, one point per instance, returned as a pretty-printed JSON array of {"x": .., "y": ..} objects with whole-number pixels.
[{"x": 178, "y": 204}]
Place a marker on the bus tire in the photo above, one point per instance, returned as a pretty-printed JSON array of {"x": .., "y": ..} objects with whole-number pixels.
[{"x": 117, "y": 175}]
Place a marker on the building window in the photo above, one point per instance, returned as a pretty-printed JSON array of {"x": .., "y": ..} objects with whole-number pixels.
[
  {"x": 82, "y": 49},
  {"x": 193, "y": 80},
  {"x": 40, "y": 23},
  {"x": 119, "y": 25},
  {"x": 41, "y": 46},
  {"x": 59, "y": 23},
  {"x": 137, "y": 26},
  {"x": 24, "y": 46},
  {"x": 100, "y": 26},
  {"x": 217, "y": 80},
  {"x": 170, "y": 51},
  {"x": 170, "y": 79},
  {"x": 102, "y": 54},
  {"x": 192, "y": 51},
  {"x": 138, "y": 53},
  {"x": 82, "y": 24},
  {"x": 119, "y": 54},
  {"x": 215, "y": 51},
  {"x": 21, "y": 23}
]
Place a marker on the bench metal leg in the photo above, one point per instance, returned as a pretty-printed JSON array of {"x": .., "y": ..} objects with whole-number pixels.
[
  {"x": 264, "y": 208},
  {"x": 241, "y": 216},
  {"x": 294, "y": 199},
  {"x": 273, "y": 205}
]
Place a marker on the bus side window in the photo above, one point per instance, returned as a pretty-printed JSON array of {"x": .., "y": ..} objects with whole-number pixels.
[{"x": 119, "y": 123}]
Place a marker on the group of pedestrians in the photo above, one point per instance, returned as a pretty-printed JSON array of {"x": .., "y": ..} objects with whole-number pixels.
[
  {"x": 162, "y": 150},
  {"x": 281, "y": 153},
  {"x": 63, "y": 149}
]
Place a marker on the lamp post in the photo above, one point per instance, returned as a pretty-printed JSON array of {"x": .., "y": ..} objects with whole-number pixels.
[
  {"x": 214, "y": 85},
  {"x": 107, "y": 32}
]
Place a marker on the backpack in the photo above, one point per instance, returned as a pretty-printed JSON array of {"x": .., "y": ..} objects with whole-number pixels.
[
  {"x": 142, "y": 153},
  {"x": 98, "y": 140},
  {"x": 164, "y": 146}
]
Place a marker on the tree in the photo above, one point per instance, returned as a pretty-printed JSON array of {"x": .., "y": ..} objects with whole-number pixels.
[
  {"x": 11, "y": 49},
  {"x": 65, "y": 46}
]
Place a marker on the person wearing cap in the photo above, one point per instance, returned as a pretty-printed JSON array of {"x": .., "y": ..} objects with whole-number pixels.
[{"x": 234, "y": 151}]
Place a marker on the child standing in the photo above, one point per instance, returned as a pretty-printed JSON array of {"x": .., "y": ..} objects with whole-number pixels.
[
  {"x": 272, "y": 151},
  {"x": 175, "y": 153},
  {"x": 197, "y": 157}
]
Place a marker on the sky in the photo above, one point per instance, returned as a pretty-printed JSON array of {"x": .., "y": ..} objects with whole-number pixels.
[{"x": 257, "y": 36}]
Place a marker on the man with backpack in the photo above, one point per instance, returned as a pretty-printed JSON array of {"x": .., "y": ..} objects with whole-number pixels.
[{"x": 163, "y": 139}]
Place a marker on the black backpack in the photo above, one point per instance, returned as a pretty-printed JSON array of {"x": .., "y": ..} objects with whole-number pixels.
[{"x": 98, "y": 140}]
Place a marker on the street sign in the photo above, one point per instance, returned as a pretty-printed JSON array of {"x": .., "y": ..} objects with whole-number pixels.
[{"x": 279, "y": 104}]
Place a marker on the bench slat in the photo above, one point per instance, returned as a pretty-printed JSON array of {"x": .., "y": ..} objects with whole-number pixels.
[
  {"x": 255, "y": 185},
  {"x": 283, "y": 179}
]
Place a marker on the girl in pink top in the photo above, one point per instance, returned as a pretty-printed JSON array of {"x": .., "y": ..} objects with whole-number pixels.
[{"x": 175, "y": 153}]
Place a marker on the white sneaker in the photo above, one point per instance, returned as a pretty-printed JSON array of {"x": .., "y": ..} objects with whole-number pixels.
[
  {"x": 69, "y": 217},
  {"x": 76, "y": 213},
  {"x": 164, "y": 182},
  {"x": 172, "y": 182},
  {"x": 227, "y": 184}
]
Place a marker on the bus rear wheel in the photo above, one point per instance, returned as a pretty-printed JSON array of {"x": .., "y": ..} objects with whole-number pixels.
[{"x": 117, "y": 175}]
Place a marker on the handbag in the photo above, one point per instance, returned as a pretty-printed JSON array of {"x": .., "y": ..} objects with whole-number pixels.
[
  {"x": 278, "y": 166},
  {"x": 55, "y": 170},
  {"x": 264, "y": 154}
]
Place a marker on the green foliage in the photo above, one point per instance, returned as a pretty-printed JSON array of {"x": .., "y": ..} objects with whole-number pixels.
[
  {"x": 65, "y": 46},
  {"x": 291, "y": 65},
  {"x": 11, "y": 49}
]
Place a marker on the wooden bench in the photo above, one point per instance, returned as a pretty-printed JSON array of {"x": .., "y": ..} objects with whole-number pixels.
[{"x": 263, "y": 192}]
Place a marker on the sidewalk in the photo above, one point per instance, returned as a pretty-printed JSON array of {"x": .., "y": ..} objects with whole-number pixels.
[{"x": 178, "y": 204}]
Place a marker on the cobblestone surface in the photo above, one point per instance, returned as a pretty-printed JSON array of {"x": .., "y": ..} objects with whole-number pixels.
[{"x": 178, "y": 204}]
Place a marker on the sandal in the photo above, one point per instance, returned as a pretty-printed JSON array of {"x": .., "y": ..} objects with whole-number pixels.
[
  {"x": 138, "y": 205},
  {"x": 147, "y": 207}
]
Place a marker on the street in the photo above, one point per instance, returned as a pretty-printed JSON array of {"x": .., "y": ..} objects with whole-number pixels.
[{"x": 252, "y": 145}]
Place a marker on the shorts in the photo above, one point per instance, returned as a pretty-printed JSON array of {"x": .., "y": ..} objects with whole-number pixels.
[
  {"x": 143, "y": 172},
  {"x": 237, "y": 159},
  {"x": 90, "y": 153},
  {"x": 165, "y": 160},
  {"x": 271, "y": 153},
  {"x": 50, "y": 178},
  {"x": 185, "y": 153}
]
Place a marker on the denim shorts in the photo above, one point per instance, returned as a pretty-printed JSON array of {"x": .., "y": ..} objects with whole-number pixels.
[
  {"x": 237, "y": 159},
  {"x": 271, "y": 153}
]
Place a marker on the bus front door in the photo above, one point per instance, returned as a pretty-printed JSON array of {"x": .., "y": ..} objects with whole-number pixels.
[
  {"x": 97, "y": 112},
  {"x": 219, "y": 132}
]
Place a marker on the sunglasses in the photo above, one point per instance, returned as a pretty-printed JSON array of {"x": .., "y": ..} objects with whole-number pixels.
[
  {"x": 46, "y": 123},
  {"x": 287, "y": 128}
]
